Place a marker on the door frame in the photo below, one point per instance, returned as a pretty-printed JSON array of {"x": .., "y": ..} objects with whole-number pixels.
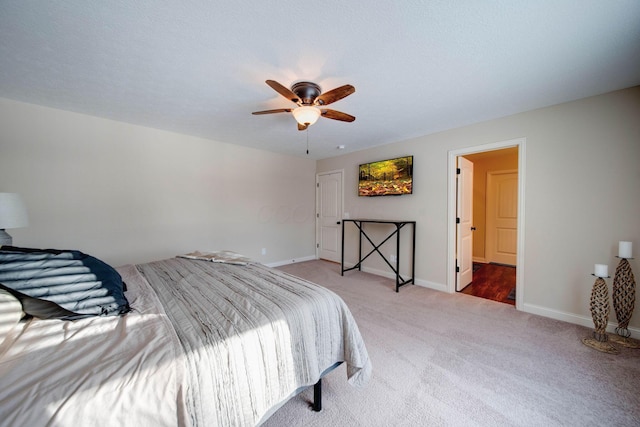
[
  {"x": 318, "y": 175},
  {"x": 451, "y": 216}
]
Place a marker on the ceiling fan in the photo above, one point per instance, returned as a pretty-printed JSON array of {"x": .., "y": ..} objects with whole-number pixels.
[{"x": 310, "y": 101}]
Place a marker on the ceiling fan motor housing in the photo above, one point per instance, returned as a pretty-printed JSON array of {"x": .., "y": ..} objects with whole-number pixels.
[{"x": 306, "y": 91}]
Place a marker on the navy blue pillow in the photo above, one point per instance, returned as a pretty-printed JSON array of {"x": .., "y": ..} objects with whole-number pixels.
[{"x": 61, "y": 284}]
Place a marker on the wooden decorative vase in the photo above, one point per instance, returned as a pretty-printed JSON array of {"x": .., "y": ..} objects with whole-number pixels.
[
  {"x": 600, "y": 313},
  {"x": 600, "y": 309},
  {"x": 624, "y": 296}
]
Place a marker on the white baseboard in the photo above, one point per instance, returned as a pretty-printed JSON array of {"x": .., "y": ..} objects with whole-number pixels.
[
  {"x": 432, "y": 285},
  {"x": 387, "y": 274},
  {"x": 570, "y": 317},
  {"x": 419, "y": 282},
  {"x": 291, "y": 261}
]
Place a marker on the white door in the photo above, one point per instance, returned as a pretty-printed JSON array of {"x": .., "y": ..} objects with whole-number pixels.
[
  {"x": 464, "y": 229},
  {"x": 329, "y": 216},
  {"x": 502, "y": 217}
]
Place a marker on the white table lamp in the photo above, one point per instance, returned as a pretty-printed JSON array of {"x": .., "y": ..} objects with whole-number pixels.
[{"x": 13, "y": 214}]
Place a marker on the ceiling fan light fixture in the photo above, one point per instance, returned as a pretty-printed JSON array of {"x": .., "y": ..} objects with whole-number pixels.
[{"x": 306, "y": 115}]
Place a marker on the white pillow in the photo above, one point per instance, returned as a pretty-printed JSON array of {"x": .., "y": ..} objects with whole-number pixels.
[{"x": 10, "y": 313}]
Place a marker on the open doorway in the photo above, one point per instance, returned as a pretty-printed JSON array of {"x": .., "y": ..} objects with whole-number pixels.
[
  {"x": 496, "y": 203},
  {"x": 493, "y": 226}
]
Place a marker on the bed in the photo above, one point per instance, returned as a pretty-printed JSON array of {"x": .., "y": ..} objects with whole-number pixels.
[{"x": 193, "y": 343}]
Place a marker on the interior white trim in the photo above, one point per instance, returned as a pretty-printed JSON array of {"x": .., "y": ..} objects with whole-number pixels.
[
  {"x": 391, "y": 275},
  {"x": 292, "y": 261},
  {"x": 571, "y": 318},
  {"x": 318, "y": 175},
  {"x": 451, "y": 222}
]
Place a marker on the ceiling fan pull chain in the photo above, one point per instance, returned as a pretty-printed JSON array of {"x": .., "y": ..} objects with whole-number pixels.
[{"x": 307, "y": 140}]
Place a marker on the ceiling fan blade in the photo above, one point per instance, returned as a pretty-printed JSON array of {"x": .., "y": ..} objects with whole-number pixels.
[
  {"x": 279, "y": 110},
  {"x": 283, "y": 91},
  {"x": 337, "y": 115},
  {"x": 334, "y": 95},
  {"x": 302, "y": 127}
]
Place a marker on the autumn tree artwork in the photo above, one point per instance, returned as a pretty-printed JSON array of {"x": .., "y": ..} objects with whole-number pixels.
[{"x": 386, "y": 177}]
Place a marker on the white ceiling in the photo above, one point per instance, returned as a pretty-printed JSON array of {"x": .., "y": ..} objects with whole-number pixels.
[{"x": 198, "y": 66}]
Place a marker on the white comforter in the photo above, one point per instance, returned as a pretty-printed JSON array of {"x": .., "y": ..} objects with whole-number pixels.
[
  {"x": 100, "y": 371},
  {"x": 157, "y": 367}
]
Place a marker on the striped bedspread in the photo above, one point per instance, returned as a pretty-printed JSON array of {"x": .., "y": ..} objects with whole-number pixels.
[{"x": 252, "y": 336}]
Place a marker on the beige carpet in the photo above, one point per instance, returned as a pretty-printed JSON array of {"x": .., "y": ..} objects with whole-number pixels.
[{"x": 457, "y": 360}]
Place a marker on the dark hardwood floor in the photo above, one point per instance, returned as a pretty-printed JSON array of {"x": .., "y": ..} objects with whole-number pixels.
[{"x": 493, "y": 281}]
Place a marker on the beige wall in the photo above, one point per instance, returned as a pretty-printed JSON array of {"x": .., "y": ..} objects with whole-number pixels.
[
  {"x": 483, "y": 163},
  {"x": 129, "y": 194},
  {"x": 581, "y": 196}
]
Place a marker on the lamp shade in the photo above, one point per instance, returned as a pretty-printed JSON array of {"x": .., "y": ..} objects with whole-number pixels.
[
  {"x": 13, "y": 212},
  {"x": 306, "y": 115}
]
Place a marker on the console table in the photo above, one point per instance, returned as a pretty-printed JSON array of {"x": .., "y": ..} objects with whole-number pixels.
[{"x": 400, "y": 281}]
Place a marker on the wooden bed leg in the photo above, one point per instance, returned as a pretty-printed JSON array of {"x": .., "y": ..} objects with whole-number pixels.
[{"x": 317, "y": 396}]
